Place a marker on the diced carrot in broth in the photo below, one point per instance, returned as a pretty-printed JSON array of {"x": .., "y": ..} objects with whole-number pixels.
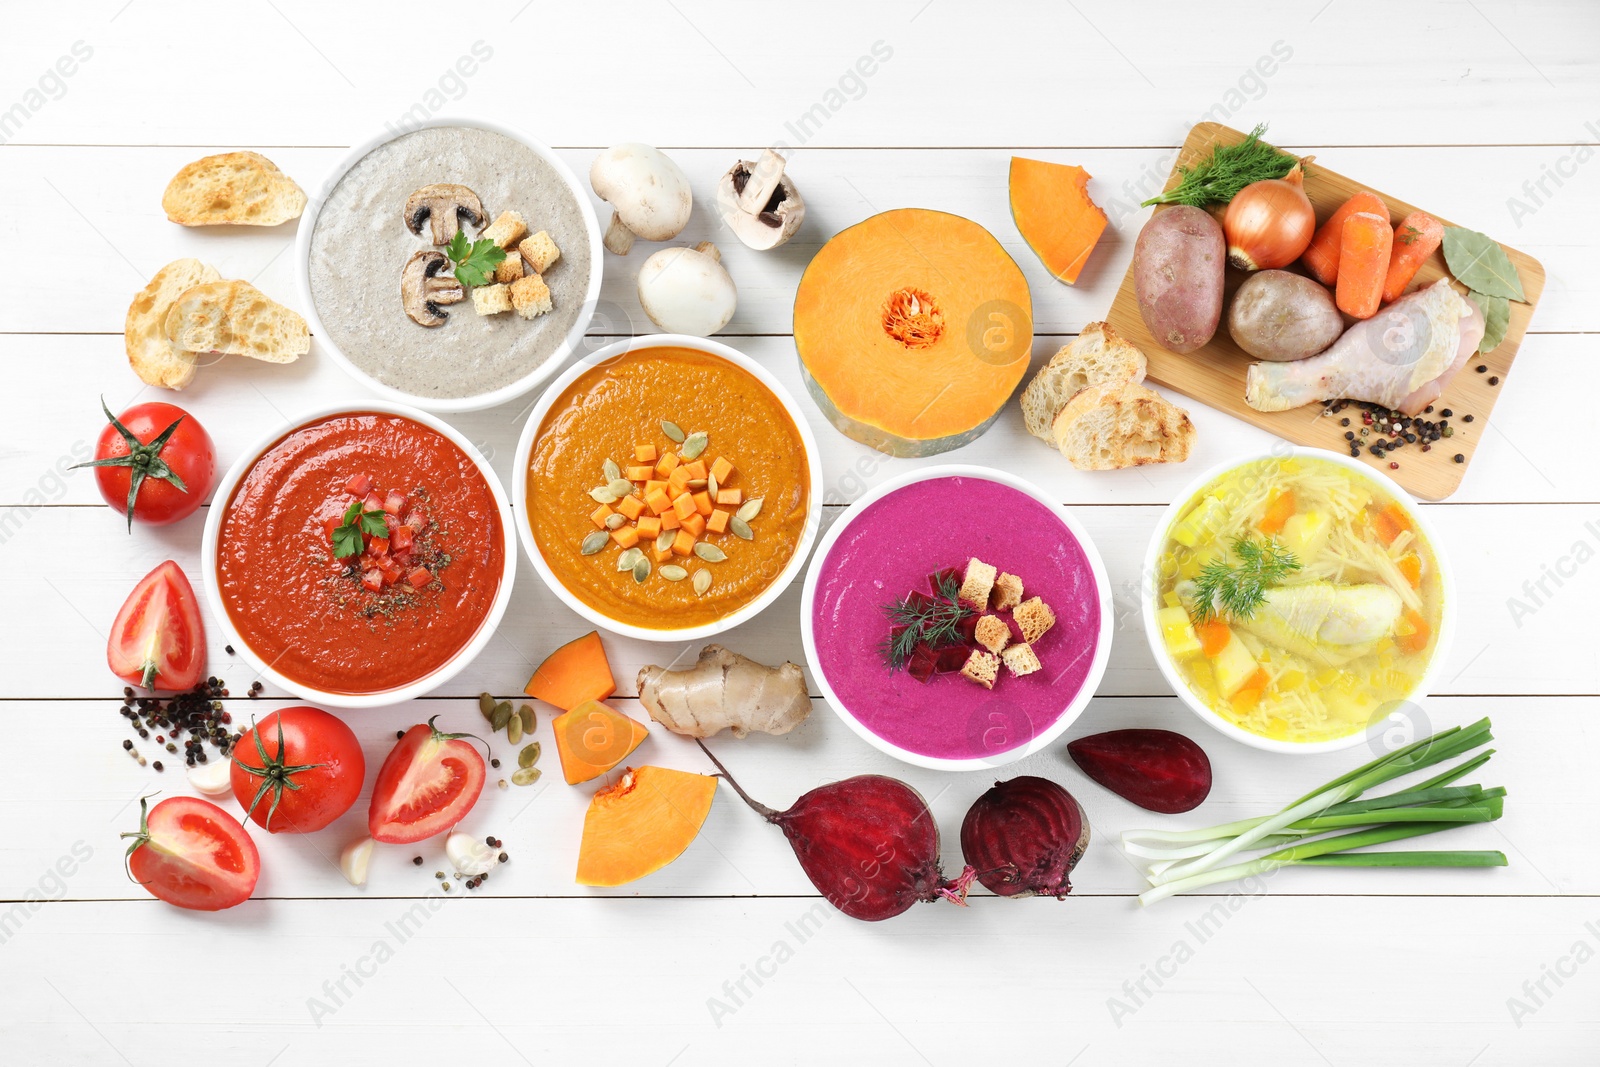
[
  {"x": 1390, "y": 523},
  {"x": 1412, "y": 632},
  {"x": 1214, "y": 637},
  {"x": 1279, "y": 510},
  {"x": 1410, "y": 567}
]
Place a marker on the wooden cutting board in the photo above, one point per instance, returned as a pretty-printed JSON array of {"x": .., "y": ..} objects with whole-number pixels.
[{"x": 1215, "y": 373}]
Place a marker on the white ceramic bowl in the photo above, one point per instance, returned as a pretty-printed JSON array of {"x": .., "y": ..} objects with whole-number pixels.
[
  {"x": 519, "y": 486},
  {"x": 1080, "y": 699},
  {"x": 1158, "y": 647},
  {"x": 425, "y": 684},
  {"x": 569, "y": 344}
]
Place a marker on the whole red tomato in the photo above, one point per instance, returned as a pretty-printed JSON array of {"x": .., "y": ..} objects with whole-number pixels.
[
  {"x": 156, "y": 463},
  {"x": 297, "y": 770}
]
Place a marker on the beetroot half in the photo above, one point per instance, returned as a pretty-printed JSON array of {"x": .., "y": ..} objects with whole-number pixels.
[
  {"x": 1155, "y": 769},
  {"x": 1023, "y": 837},
  {"x": 869, "y": 844}
]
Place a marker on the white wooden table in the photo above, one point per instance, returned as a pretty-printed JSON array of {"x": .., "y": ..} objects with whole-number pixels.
[{"x": 1474, "y": 109}]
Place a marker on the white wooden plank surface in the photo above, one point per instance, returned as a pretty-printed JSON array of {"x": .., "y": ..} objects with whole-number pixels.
[{"x": 1455, "y": 105}]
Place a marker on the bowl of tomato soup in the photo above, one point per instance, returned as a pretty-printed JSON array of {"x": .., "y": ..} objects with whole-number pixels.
[{"x": 359, "y": 556}]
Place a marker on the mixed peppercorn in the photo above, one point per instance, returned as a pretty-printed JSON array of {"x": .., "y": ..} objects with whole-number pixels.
[{"x": 193, "y": 719}]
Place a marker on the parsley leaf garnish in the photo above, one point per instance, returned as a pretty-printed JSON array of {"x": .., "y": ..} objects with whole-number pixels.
[
  {"x": 475, "y": 261},
  {"x": 347, "y": 536}
]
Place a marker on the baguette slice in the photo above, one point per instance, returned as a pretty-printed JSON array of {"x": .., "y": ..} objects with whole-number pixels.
[
  {"x": 1108, "y": 427},
  {"x": 237, "y": 318},
  {"x": 242, "y": 188},
  {"x": 155, "y": 359},
  {"x": 1097, "y": 356}
]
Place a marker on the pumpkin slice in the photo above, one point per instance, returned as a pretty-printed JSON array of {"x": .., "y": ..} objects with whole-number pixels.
[
  {"x": 592, "y": 738},
  {"x": 575, "y": 672},
  {"x": 642, "y": 823},
  {"x": 913, "y": 329},
  {"x": 1054, "y": 214}
]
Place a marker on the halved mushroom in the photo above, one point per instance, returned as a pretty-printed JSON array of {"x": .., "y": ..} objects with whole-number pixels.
[
  {"x": 444, "y": 206},
  {"x": 648, "y": 192},
  {"x": 759, "y": 203},
  {"x": 426, "y": 284}
]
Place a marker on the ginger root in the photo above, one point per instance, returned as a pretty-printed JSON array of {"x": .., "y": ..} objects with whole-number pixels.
[{"x": 725, "y": 690}]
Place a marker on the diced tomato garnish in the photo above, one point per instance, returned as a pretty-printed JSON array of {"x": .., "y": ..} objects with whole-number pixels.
[
  {"x": 401, "y": 556},
  {"x": 329, "y": 525},
  {"x": 373, "y": 502},
  {"x": 388, "y": 568},
  {"x": 419, "y": 577},
  {"x": 372, "y": 579},
  {"x": 401, "y": 537},
  {"x": 377, "y": 546},
  {"x": 395, "y": 502},
  {"x": 415, "y": 520},
  {"x": 358, "y": 485}
]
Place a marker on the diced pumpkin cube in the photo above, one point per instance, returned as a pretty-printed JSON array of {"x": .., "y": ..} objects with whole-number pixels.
[
  {"x": 678, "y": 480},
  {"x": 684, "y": 505},
  {"x": 666, "y": 464},
  {"x": 599, "y": 516},
  {"x": 661, "y": 554},
  {"x": 695, "y": 524},
  {"x": 625, "y": 536},
  {"x": 734, "y": 497},
  {"x": 654, "y": 484},
  {"x": 649, "y": 526},
  {"x": 644, "y": 454},
  {"x": 657, "y": 501},
  {"x": 631, "y": 507},
  {"x": 697, "y": 470},
  {"x": 670, "y": 520},
  {"x": 717, "y": 522},
  {"x": 684, "y": 543},
  {"x": 702, "y": 503},
  {"x": 722, "y": 469},
  {"x": 639, "y": 474}
]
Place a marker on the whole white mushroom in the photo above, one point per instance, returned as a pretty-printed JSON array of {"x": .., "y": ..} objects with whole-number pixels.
[
  {"x": 649, "y": 195},
  {"x": 688, "y": 290}
]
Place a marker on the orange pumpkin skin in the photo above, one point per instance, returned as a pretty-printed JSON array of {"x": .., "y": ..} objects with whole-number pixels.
[
  {"x": 1053, "y": 212},
  {"x": 913, "y": 328},
  {"x": 573, "y": 673},
  {"x": 592, "y": 738},
  {"x": 642, "y": 823}
]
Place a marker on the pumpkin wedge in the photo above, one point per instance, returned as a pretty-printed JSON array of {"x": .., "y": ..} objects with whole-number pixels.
[
  {"x": 575, "y": 672},
  {"x": 592, "y": 738},
  {"x": 642, "y": 823},
  {"x": 1051, "y": 207},
  {"x": 913, "y": 329}
]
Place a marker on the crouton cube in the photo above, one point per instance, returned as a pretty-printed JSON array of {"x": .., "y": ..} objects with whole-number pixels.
[
  {"x": 508, "y": 270},
  {"x": 684, "y": 504},
  {"x": 717, "y": 522},
  {"x": 644, "y": 454},
  {"x": 667, "y": 464},
  {"x": 599, "y": 516},
  {"x": 507, "y": 230},
  {"x": 649, "y": 527},
  {"x": 491, "y": 299},
  {"x": 670, "y": 520},
  {"x": 733, "y": 497},
  {"x": 539, "y": 252},
  {"x": 975, "y": 587},
  {"x": 530, "y": 296},
  {"x": 657, "y": 501},
  {"x": 631, "y": 506},
  {"x": 982, "y": 667},
  {"x": 639, "y": 474},
  {"x": 702, "y": 503},
  {"x": 683, "y": 545},
  {"x": 1019, "y": 659},
  {"x": 1035, "y": 618},
  {"x": 992, "y": 633},
  {"x": 722, "y": 470},
  {"x": 625, "y": 536},
  {"x": 1007, "y": 592},
  {"x": 695, "y": 524}
]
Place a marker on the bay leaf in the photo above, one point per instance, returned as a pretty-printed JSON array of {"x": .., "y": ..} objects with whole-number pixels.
[
  {"x": 1480, "y": 264},
  {"x": 1496, "y": 317}
]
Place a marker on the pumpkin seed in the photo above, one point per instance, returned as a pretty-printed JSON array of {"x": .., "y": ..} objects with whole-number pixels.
[
  {"x": 664, "y": 539},
  {"x": 712, "y": 487},
  {"x": 641, "y": 570},
  {"x": 602, "y": 494},
  {"x": 612, "y": 471},
  {"x": 502, "y": 715},
  {"x": 751, "y": 509},
  {"x": 702, "y": 582},
  {"x": 674, "y": 573},
  {"x": 709, "y": 552},
  {"x": 526, "y": 776},
  {"x": 741, "y": 528},
  {"x": 628, "y": 559},
  {"x": 694, "y": 444},
  {"x": 615, "y": 520},
  {"x": 486, "y": 706},
  {"x": 621, "y": 487},
  {"x": 514, "y": 729},
  {"x": 672, "y": 431},
  {"x": 529, "y": 755},
  {"x": 594, "y": 542},
  {"x": 525, "y": 713}
]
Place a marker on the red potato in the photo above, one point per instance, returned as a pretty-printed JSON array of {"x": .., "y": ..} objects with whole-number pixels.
[{"x": 1178, "y": 264}]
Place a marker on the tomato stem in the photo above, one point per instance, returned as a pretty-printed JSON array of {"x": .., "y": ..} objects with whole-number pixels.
[{"x": 275, "y": 775}]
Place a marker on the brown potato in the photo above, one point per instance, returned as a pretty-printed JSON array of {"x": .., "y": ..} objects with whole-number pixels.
[
  {"x": 1177, "y": 274},
  {"x": 1281, "y": 317}
]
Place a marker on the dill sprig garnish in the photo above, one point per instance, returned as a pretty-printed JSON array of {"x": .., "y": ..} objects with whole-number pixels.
[
  {"x": 1238, "y": 589},
  {"x": 918, "y": 618},
  {"x": 1219, "y": 177}
]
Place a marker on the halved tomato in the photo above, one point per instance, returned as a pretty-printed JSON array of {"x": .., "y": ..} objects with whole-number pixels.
[
  {"x": 429, "y": 782},
  {"x": 157, "y": 640},
  {"x": 191, "y": 853}
]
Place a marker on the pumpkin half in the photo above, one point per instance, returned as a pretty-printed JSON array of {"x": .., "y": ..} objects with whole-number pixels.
[
  {"x": 642, "y": 823},
  {"x": 913, "y": 328},
  {"x": 1051, "y": 207}
]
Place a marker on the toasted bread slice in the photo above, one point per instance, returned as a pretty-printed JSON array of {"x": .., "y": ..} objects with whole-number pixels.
[
  {"x": 155, "y": 359},
  {"x": 1097, "y": 356},
  {"x": 242, "y": 188},
  {"x": 1107, "y": 427},
  {"x": 237, "y": 318}
]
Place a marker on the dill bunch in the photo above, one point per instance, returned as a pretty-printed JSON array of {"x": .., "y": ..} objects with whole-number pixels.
[
  {"x": 1236, "y": 590},
  {"x": 1218, "y": 178},
  {"x": 917, "y": 618}
]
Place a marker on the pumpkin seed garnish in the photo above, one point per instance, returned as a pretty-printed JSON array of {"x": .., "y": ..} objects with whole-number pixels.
[
  {"x": 612, "y": 471},
  {"x": 602, "y": 494},
  {"x": 502, "y": 715},
  {"x": 702, "y": 582},
  {"x": 621, "y": 487},
  {"x": 740, "y": 528},
  {"x": 712, "y": 486},
  {"x": 641, "y": 570},
  {"x": 628, "y": 559},
  {"x": 664, "y": 539},
  {"x": 709, "y": 552},
  {"x": 751, "y": 509},
  {"x": 615, "y": 520},
  {"x": 486, "y": 706},
  {"x": 526, "y": 776},
  {"x": 674, "y": 573},
  {"x": 672, "y": 431},
  {"x": 594, "y": 542},
  {"x": 514, "y": 729},
  {"x": 529, "y": 755},
  {"x": 525, "y": 713},
  {"x": 694, "y": 444}
]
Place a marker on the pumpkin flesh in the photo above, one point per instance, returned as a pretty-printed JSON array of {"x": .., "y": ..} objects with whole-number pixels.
[
  {"x": 592, "y": 738},
  {"x": 642, "y": 823},
  {"x": 575, "y": 672},
  {"x": 1051, "y": 207}
]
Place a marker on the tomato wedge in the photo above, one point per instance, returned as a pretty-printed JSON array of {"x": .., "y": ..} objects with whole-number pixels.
[
  {"x": 191, "y": 853},
  {"x": 157, "y": 640},
  {"x": 428, "y": 783}
]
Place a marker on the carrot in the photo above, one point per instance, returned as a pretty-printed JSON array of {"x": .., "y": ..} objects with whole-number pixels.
[
  {"x": 1279, "y": 508},
  {"x": 1214, "y": 636},
  {"x": 1390, "y": 523},
  {"x": 1363, "y": 262},
  {"x": 1321, "y": 257},
  {"x": 1414, "y": 241},
  {"x": 1410, "y": 568},
  {"x": 1413, "y": 632},
  {"x": 1250, "y": 693}
]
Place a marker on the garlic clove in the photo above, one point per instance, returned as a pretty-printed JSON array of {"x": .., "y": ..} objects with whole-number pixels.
[
  {"x": 469, "y": 855},
  {"x": 354, "y": 860},
  {"x": 214, "y": 779}
]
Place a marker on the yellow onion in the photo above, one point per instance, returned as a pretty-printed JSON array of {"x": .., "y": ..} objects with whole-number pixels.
[{"x": 1269, "y": 223}]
